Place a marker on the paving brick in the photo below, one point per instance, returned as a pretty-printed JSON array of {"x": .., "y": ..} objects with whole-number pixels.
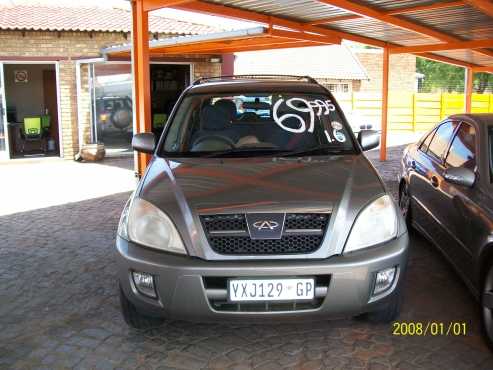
[{"x": 59, "y": 308}]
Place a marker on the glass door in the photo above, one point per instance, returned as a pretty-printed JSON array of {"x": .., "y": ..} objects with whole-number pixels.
[{"x": 3, "y": 120}]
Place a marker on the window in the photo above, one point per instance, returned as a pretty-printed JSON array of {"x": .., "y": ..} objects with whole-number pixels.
[
  {"x": 441, "y": 139},
  {"x": 426, "y": 142},
  {"x": 462, "y": 152},
  {"x": 253, "y": 124},
  {"x": 332, "y": 88}
]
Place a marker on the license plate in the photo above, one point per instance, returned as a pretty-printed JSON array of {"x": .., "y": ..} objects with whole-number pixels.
[{"x": 254, "y": 290}]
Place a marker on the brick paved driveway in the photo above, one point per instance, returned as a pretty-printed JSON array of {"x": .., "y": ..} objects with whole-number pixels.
[{"x": 59, "y": 309}]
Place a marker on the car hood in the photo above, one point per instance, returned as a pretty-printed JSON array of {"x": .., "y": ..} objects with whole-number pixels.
[{"x": 187, "y": 188}]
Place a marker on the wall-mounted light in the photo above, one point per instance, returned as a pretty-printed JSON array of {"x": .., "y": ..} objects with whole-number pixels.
[{"x": 215, "y": 60}]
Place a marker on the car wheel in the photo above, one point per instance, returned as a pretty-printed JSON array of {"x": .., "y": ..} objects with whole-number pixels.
[
  {"x": 389, "y": 313},
  {"x": 405, "y": 203},
  {"x": 487, "y": 306},
  {"x": 134, "y": 318}
]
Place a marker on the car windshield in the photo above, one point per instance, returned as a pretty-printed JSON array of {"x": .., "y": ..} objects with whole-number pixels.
[{"x": 256, "y": 124}]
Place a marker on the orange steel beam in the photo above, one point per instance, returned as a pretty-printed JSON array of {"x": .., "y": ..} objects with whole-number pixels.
[
  {"x": 294, "y": 44},
  {"x": 283, "y": 45},
  {"x": 223, "y": 48},
  {"x": 447, "y": 60},
  {"x": 305, "y": 36},
  {"x": 474, "y": 44},
  {"x": 468, "y": 89},
  {"x": 385, "y": 100},
  {"x": 141, "y": 73},
  {"x": 218, "y": 48},
  {"x": 248, "y": 15},
  {"x": 405, "y": 10},
  {"x": 482, "y": 5},
  {"x": 252, "y": 16},
  {"x": 485, "y": 69},
  {"x": 150, "y": 5},
  {"x": 400, "y": 22}
]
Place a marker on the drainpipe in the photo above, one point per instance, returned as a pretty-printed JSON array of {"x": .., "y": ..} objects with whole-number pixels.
[{"x": 78, "y": 78}]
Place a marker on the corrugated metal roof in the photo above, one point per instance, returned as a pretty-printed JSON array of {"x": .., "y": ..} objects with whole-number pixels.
[
  {"x": 464, "y": 22},
  {"x": 331, "y": 62},
  {"x": 55, "y": 18},
  {"x": 382, "y": 31},
  {"x": 302, "y": 10},
  {"x": 459, "y": 21}
]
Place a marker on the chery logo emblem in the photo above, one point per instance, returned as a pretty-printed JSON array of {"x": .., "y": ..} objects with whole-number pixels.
[{"x": 263, "y": 225}]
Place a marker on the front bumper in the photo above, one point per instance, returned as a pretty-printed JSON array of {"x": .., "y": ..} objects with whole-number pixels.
[{"x": 184, "y": 292}]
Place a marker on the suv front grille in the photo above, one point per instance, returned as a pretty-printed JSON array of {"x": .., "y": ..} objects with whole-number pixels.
[{"x": 228, "y": 234}]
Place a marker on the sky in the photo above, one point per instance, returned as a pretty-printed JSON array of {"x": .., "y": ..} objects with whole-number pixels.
[{"x": 171, "y": 13}]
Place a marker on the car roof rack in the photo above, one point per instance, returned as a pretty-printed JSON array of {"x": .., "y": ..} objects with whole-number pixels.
[{"x": 202, "y": 80}]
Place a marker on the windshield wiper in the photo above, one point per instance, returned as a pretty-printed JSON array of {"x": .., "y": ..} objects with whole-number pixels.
[
  {"x": 319, "y": 150},
  {"x": 259, "y": 151},
  {"x": 256, "y": 151}
]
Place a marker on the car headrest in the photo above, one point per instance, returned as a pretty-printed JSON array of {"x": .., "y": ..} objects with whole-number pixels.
[
  {"x": 229, "y": 106},
  {"x": 213, "y": 118}
]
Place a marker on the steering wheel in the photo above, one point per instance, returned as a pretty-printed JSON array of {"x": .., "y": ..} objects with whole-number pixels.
[{"x": 214, "y": 140}]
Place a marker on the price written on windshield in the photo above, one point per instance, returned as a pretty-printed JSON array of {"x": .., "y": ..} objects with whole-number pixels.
[{"x": 314, "y": 108}]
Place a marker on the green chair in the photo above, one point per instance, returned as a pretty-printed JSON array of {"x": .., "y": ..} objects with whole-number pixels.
[
  {"x": 159, "y": 120},
  {"x": 45, "y": 124},
  {"x": 32, "y": 131}
]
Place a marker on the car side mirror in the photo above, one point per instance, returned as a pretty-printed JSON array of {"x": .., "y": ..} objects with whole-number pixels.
[
  {"x": 144, "y": 143},
  {"x": 460, "y": 176},
  {"x": 368, "y": 139}
]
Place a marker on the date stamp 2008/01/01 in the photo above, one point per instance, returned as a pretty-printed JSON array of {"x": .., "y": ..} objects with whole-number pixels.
[{"x": 432, "y": 328}]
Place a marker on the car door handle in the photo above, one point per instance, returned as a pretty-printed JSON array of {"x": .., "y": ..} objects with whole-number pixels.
[{"x": 434, "y": 181}]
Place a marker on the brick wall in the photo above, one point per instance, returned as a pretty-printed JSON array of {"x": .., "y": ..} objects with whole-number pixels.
[
  {"x": 402, "y": 71},
  {"x": 66, "y": 48},
  {"x": 206, "y": 69}
]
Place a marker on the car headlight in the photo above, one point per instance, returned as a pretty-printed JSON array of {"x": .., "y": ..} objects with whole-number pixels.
[
  {"x": 376, "y": 224},
  {"x": 145, "y": 224}
]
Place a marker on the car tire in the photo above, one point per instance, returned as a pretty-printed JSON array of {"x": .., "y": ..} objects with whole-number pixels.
[
  {"x": 487, "y": 307},
  {"x": 134, "y": 318},
  {"x": 405, "y": 203},
  {"x": 389, "y": 313}
]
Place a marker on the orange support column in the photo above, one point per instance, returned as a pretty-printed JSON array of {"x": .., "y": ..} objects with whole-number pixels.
[
  {"x": 385, "y": 104},
  {"x": 141, "y": 74},
  {"x": 468, "y": 89}
]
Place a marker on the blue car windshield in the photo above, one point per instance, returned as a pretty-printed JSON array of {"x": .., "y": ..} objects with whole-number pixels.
[{"x": 255, "y": 124}]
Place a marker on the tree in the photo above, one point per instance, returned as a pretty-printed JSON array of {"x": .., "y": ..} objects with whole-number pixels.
[{"x": 448, "y": 78}]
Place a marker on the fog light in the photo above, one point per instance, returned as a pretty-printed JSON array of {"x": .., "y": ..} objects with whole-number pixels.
[
  {"x": 384, "y": 280},
  {"x": 144, "y": 283}
]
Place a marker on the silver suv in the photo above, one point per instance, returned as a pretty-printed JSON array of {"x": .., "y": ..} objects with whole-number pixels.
[{"x": 258, "y": 204}]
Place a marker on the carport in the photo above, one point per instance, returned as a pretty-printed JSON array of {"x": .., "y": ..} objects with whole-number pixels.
[{"x": 454, "y": 32}]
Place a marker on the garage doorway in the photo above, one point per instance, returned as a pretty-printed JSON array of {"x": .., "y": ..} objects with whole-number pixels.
[
  {"x": 112, "y": 101},
  {"x": 31, "y": 126}
]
